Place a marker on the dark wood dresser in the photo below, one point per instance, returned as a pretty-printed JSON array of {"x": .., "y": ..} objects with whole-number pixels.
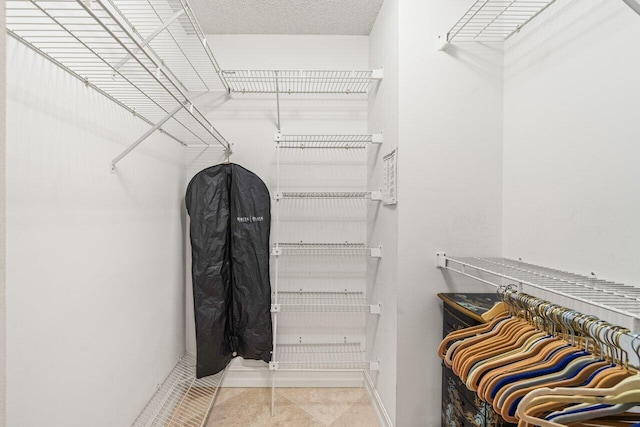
[{"x": 460, "y": 406}]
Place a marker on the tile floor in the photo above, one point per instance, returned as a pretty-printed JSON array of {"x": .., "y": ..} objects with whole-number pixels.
[{"x": 295, "y": 407}]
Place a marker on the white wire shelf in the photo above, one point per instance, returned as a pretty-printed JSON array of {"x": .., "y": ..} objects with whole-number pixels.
[
  {"x": 323, "y": 302},
  {"x": 366, "y": 195},
  {"x": 342, "y": 356},
  {"x": 609, "y": 296},
  {"x": 326, "y": 249},
  {"x": 495, "y": 20},
  {"x": 301, "y": 81},
  {"x": 181, "y": 45},
  {"x": 97, "y": 45},
  {"x": 327, "y": 141},
  {"x": 181, "y": 400}
]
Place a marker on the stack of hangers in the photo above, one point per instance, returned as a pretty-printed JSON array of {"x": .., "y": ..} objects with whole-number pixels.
[{"x": 546, "y": 365}]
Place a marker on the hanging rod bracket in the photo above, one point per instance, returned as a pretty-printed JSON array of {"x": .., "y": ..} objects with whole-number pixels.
[
  {"x": 375, "y": 309},
  {"x": 443, "y": 42},
  {"x": 376, "y": 252},
  {"x": 376, "y": 196},
  {"x": 377, "y": 74},
  {"x": 275, "y": 308},
  {"x": 374, "y": 365},
  {"x": 273, "y": 366},
  {"x": 277, "y": 137},
  {"x": 441, "y": 260},
  {"x": 377, "y": 138},
  {"x": 276, "y": 251}
]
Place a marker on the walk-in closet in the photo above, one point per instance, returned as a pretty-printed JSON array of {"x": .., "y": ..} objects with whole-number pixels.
[{"x": 411, "y": 213}]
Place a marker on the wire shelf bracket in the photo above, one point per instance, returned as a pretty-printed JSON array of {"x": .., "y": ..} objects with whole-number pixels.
[
  {"x": 101, "y": 42},
  {"x": 609, "y": 296},
  {"x": 327, "y": 141}
]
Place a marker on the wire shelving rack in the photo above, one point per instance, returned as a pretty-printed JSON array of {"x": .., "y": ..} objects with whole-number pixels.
[
  {"x": 344, "y": 356},
  {"x": 181, "y": 400},
  {"x": 622, "y": 300},
  {"x": 495, "y": 20},
  {"x": 325, "y": 249},
  {"x": 327, "y": 141},
  {"x": 323, "y": 302},
  {"x": 366, "y": 195},
  {"x": 96, "y": 42},
  {"x": 301, "y": 81},
  {"x": 324, "y": 356},
  {"x": 499, "y": 20}
]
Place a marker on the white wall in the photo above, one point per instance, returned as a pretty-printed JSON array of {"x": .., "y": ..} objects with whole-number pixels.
[
  {"x": 249, "y": 121},
  {"x": 2, "y": 213},
  {"x": 571, "y": 193},
  {"x": 95, "y": 311},
  {"x": 450, "y": 181},
  {"x": 382, "y": 277}
]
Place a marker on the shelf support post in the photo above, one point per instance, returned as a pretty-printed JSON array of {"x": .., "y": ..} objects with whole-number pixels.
[
  {"x": 278, "y": 99},
  {"x": 145, "y": 136}
]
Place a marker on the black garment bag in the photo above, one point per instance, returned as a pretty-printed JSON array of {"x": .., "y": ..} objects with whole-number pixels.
[{"x": 229, "y": 208}]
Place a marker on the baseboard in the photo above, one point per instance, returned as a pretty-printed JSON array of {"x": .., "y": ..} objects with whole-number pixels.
[
  {"x": 376, "y": 402},
  {"x": 261, "y": 377}
]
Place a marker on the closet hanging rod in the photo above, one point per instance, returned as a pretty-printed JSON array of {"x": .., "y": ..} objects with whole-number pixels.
[
  {"x": 612, "y": 297},
  {"x": 552, "y": 312}
]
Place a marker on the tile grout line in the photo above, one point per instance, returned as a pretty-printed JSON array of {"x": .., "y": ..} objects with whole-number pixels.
[
  {"x": 351, "y": 407},
  {"x": 305, "y": 411}
]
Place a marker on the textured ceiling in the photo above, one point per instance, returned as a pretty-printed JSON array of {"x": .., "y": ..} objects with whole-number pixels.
[{"x": 352, "y": 17}]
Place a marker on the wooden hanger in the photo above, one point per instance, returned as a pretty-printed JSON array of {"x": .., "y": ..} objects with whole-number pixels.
[
  {"x": 464, "y": 333},
  {"x": 627, "y": 391}
]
